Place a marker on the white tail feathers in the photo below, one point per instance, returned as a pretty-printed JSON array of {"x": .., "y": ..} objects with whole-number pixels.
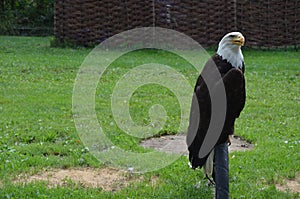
[{"x": 208, "y": 167}]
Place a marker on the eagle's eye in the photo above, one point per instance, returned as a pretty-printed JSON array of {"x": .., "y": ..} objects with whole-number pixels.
[{"x": 232, "y": 36}]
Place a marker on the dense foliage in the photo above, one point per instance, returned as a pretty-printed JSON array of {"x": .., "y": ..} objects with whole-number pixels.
[{"x": 26, "y": 17}]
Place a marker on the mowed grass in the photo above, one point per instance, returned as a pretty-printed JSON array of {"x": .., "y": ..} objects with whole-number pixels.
[{"x": 37, "y": 129}]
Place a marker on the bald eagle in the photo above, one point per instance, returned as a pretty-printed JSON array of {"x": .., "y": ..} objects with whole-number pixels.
[{"x": 228, "y": 62}]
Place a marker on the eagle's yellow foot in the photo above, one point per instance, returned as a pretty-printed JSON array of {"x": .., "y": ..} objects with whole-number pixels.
[{"x": 229, "y": 141}]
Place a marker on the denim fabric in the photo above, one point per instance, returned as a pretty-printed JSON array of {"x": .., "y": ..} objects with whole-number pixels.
[{"x": 221, "y": 171}]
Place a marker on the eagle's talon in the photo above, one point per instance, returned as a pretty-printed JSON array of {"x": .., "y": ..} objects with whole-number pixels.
[{"x": 229, "y": 141}]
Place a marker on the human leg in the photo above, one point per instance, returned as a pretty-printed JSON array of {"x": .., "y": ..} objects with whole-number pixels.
[{"x": 221, "y": 171}]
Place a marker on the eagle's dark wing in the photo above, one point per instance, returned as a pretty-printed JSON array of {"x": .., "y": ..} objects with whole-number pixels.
[
  {"x": 234, "y": 83},
  {"x": 200, "y": 114},
  {"x": 201, "y": 106}
]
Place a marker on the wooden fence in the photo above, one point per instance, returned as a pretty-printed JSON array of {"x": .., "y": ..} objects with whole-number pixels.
[{"x": 272, "y": 23}]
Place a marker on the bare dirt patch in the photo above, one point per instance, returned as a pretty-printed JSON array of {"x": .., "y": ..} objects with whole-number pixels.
[
  {"x": 290, "y": 185},
  {"x": 107, "y": 179},
  {"x": 177, "y": 144}
]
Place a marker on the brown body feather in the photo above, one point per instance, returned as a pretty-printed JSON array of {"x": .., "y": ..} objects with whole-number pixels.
[{"x": 234, "y": 83}]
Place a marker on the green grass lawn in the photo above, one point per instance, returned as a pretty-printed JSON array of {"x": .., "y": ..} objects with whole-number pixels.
[{"x": 37, "y": 129}]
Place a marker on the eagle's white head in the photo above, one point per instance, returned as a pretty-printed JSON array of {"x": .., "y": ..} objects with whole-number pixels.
[{"x": 230, "y": 48}]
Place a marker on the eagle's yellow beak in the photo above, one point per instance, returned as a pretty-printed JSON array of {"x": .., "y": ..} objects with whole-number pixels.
[{"x": 239, "y": 40}]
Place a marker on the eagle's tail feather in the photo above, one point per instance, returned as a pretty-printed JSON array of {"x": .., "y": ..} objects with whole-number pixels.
[{"x": 208, "y": 167}]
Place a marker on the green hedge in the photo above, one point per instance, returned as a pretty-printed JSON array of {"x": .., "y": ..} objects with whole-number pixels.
[{"x": 26, "y": 17}]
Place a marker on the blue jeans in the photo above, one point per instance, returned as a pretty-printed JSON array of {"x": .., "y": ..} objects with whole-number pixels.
[{"x": 221, "y": 171}]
